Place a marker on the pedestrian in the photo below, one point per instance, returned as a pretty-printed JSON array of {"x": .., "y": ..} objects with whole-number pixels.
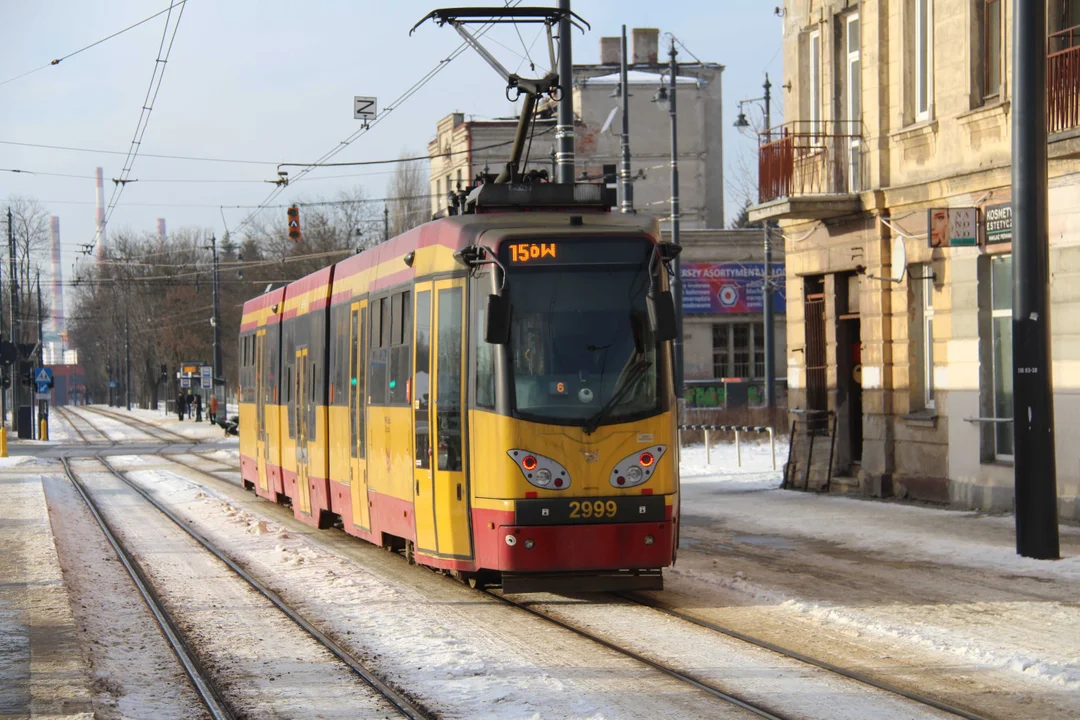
[
  {"x": 198, "y": 407},
  {"x": 213, "y": 408},
  {"x": 181, "y": 402}
]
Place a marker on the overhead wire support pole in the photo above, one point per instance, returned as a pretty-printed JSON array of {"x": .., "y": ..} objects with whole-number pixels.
[
  {"x": 767, "y": 298},
  {"x": 217, "y": 379},
  {"x": 564, "y": 126},
  {"x": 15, "y": 324},
  {"x": 1035, "y": 470},
  {"x": 673, "y": 71},
  {"x": 626, "y": 184}
]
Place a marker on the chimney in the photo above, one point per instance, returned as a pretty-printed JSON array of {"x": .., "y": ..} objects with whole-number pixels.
[
  {"x": 610, "y": 50},
  {"x": 646, "y": 46},
  {"x": 161, "y": 234},
  {"x": 99, "y": 239},
  {"x": 58, "y": 328}
]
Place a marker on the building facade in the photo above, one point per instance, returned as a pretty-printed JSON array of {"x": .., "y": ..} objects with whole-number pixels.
[
  {"x": 891, "y": 185},
  {"x": 463, "y": 148}
]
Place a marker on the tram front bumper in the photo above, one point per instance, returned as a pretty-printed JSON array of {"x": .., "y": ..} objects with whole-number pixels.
[{"x": 563, "y": 548}]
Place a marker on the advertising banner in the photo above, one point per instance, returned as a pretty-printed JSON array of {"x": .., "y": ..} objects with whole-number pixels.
[{"x": 730, "y": 288}]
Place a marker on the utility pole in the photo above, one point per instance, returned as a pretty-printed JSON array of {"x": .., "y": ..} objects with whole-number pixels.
[
  {"x": 127, "y": 356},
  {"x": 15, "y": 325},
  {"x": 1034, "y": 470},
  {"x": 673, "y": 72},
  {"x": 385, "y": 223},
  {"x": 626, "y": 200},
  {"x": 41, "y": 359},
  {"x": 218, "y": 370},
  {"x": 767, "y": 298},
  {"x": 564, "y": 127}
]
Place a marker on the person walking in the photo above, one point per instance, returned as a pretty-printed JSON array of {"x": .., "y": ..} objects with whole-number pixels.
[
  {"x": 198, "y": 407},
  {"x": 181, "y": 405},
  {"x": 213, "y": 408}
]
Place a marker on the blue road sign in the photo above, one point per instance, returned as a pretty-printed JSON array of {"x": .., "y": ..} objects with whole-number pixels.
[{"x": 43, "y": 378}]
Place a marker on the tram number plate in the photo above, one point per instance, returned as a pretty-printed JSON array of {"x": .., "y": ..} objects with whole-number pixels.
[{"x": 559, "y": 511}]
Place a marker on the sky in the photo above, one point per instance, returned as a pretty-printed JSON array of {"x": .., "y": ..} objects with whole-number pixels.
[{"x": 273, "y": 81}]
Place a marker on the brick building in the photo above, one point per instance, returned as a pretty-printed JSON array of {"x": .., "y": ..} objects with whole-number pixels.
[{"x": 897, "y": 152}]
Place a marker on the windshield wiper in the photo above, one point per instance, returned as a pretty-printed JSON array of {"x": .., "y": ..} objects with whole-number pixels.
[{"x": 628, "y": 381}]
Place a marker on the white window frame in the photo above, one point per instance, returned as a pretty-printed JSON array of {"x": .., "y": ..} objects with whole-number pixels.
[
  {"x": 926, "y": 277},
  {"x": 996, "y": 313},
  {"x": 854, "y": 98},
  {"x": 924, "y": 64},
  {"x": 815, "y": 84}
]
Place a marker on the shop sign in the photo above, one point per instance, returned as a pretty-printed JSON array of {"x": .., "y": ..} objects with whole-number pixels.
[{"x": 998, "y": 223}]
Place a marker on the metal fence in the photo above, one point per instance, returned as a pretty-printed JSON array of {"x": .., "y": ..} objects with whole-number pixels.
[{"x": 739, "y": 431}]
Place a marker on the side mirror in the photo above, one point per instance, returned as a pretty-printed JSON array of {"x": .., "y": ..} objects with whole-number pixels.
[
  {"x": 497, "y": 327},
  {"x": 662, "y": 316}
]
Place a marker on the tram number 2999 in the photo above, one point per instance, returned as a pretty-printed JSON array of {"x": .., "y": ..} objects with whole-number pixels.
[
  {"x": 593, "y": 508},
  {"x": 569, "y": 511}
]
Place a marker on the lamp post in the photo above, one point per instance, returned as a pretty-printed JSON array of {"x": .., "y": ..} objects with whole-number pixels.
[
  {"x": 767, "y": 290},
  {"x": 665, "y": 96}
]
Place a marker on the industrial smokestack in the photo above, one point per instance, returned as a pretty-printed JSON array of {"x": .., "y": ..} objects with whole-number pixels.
[
  {"x": 58, "y": 329},
  {"x": 161, "y": 231},
  {"x": 99, "y": 239}
]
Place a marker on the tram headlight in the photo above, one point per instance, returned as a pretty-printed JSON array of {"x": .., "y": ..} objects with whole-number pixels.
[
  {"x": 540, "y": 471},
  {"x": 637, "y": 468}
]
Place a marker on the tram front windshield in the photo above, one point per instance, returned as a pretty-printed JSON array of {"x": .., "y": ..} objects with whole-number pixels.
[{"x": 580, "y": 340}]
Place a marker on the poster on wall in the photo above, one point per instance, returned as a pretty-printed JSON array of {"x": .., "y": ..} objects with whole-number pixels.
[
  {"x": 730, "y": 288},
  {"x": 952, "y": 227}
]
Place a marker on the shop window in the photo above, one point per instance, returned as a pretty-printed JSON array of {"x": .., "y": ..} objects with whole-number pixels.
[
  {"x": 922, "y": 336},
  {"x": 1001, "y": 329}
]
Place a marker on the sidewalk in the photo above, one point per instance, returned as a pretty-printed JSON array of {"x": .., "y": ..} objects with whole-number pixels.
[{"x": 42, "y": 672}]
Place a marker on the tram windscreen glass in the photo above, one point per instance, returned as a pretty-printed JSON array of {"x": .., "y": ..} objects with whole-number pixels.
[{"x": 580, "y": 332}]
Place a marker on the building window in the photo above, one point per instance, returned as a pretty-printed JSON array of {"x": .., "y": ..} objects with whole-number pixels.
[
  {"x": 1001, "y": 319},
  {"x": 922, "y": 282},
  {"x": 735, "y": 347},
  {"x": 991, "y": 42},
  {"x": 854, "y": 101},
  {"x": 815, "y": 82},
  {"x": 924, "y": 58}
]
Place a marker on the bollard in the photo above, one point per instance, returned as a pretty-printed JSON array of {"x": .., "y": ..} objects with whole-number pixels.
[
  {"x": 738, "y": 448},
  {"x": 43, "y": 431},
  {"x": 772, "y": 446},
  {"x": 3, "y": 442},
  {"x": 708, "y": 450}
]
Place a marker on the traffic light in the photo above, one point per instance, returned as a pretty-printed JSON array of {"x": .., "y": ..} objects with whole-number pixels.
[
  {"x": 5, "y": 381},
  {"x": 27, "y": 376},
  {"x": 294, "y": 224}
]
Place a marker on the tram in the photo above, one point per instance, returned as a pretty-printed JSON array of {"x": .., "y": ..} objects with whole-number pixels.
[{"x": 490, "y": 393}]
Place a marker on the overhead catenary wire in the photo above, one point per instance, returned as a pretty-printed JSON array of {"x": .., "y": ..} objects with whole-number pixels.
[
  {"x": 160, "y": 63},
  {"x": 60, "y": 59},
  {"x": 404, "y": 97}
]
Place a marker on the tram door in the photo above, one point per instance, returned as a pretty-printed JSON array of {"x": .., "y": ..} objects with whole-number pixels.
[
  {"x": 423, "y": 477},
  {"x": 303, "y": 395},
  {"x": 447, "y": 412},
  {"x": 262, "y": 447},
  {"x": 358, "y": 485}
]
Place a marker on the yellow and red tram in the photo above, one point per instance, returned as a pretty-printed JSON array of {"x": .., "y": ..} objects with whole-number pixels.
[{"x": 490, "y": 393}]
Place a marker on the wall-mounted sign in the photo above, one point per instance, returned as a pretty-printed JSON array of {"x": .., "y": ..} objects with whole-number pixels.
[
  {"x": 730, "y": 287},
  {"x": 952, "y": 227},
  {"x": 998, "y": 223}
]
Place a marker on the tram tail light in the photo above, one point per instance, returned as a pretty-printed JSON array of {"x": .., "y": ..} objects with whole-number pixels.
[
  {"x": 540, "y": 471},
  {"x": 636, "y": 469}
]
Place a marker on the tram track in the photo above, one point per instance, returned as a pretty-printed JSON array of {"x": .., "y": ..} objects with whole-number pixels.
[
  {"x": 757, "y": 708},
  {"x": 204, "y": 686},
  {"x": 153, "y": 431},
  {"x": 70, "y": 417}
]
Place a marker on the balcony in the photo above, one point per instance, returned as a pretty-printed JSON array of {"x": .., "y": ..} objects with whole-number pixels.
[
  {"x": 810, "y": 171},
  {"x": 1063, "y": 81}
]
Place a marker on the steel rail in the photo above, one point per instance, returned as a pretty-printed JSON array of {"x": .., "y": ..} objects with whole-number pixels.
[
  {"x": 203, "y": 685},
  {"x": 154, "y": 431},
  {"x": 69, "y": 417},
  {"x": 801, "y": 657},
  {"x": 654, "y": 664},
  {"x": 404, "y": 705}
]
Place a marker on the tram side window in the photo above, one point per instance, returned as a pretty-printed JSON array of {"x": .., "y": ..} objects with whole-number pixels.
[
  {"x": 379, "y": 357},
  {"x": 400, "y": 356}
]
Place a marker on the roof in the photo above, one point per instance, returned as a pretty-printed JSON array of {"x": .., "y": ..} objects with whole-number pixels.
[{"x": 638, "y": 77}]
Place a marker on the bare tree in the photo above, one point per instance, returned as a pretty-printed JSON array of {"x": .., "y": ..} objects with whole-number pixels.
[
  {"x": 30, "y": 226},
  {"x": 408, "y": 192}
]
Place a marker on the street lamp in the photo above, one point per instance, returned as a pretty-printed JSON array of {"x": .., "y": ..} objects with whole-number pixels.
[
  {"x": 665, "y": 100},
  {"x": 767, "y": 290}
]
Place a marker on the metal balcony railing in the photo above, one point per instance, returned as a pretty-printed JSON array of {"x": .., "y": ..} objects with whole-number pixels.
[
  {"x": 811, "y": 158},
  {"x": 1063, "y": 80}
]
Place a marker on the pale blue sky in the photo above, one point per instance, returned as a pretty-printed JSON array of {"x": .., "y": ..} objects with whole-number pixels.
[{"x": 274, "y": 80}]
